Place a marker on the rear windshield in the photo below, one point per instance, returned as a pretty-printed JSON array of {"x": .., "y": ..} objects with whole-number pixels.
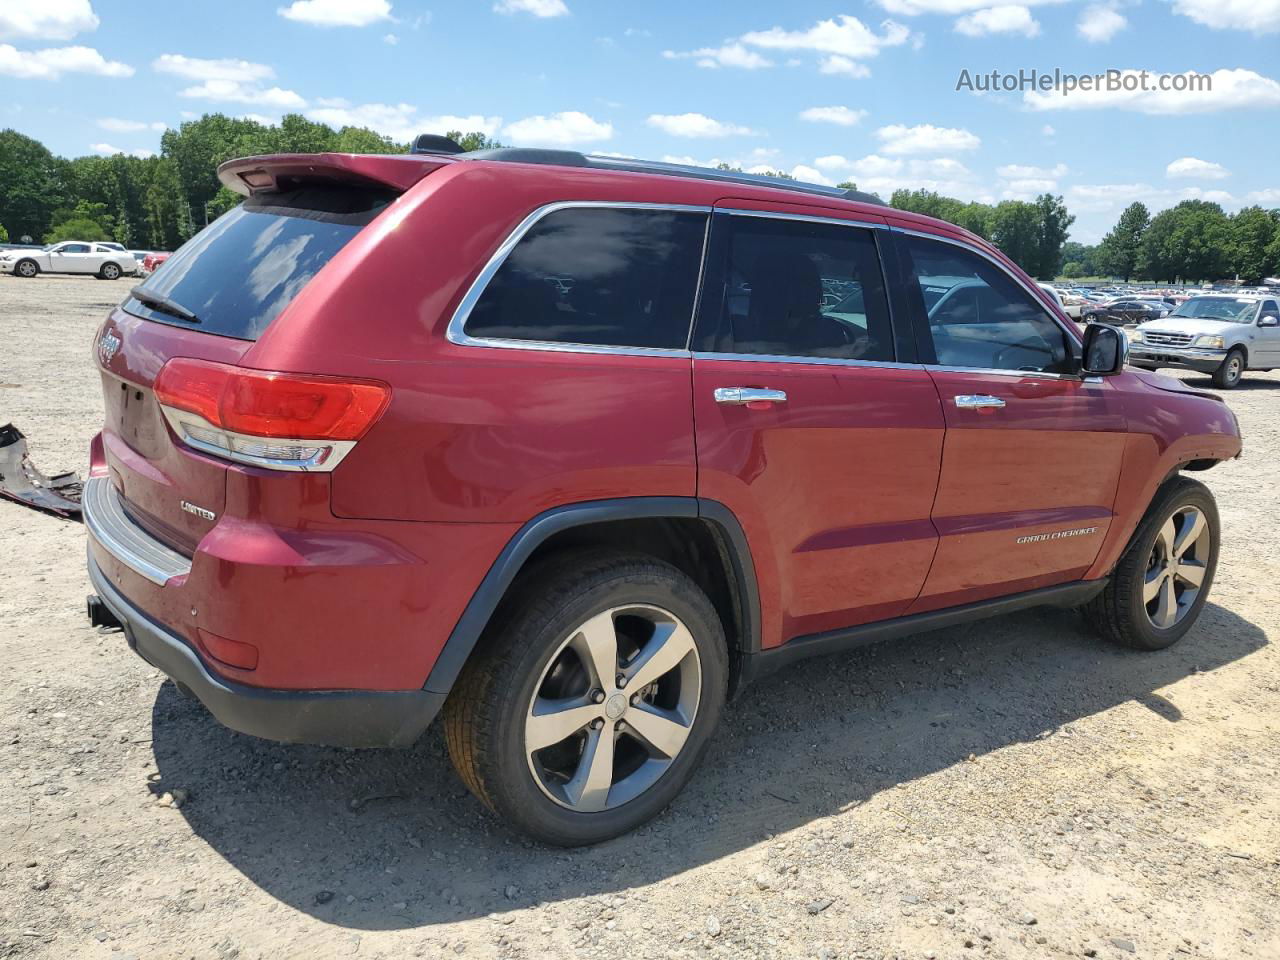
[{"x": 236, "y": 275}]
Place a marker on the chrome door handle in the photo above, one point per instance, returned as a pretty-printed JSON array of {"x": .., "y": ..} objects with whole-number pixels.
[
  {"x": 978, "y": 401},
  {"x": 745, "y": 395}
]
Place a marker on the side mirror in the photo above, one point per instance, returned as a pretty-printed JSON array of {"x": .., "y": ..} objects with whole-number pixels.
[
  {"x": 1106, "y": 348},
  {"x": 1269, "y": 321}
]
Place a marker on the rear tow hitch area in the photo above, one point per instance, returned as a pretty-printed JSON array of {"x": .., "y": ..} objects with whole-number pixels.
[
  {"x": 100, "y": 614},
  {"x": 22, "y": 482}
]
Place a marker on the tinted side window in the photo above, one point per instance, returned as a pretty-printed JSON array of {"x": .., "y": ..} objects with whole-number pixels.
[
  {"x": 978, "y": 316},
  {"x": 794, "y": 288},
  {"x": 598, "y": 276},
  {"x": 74, "y": 248}
]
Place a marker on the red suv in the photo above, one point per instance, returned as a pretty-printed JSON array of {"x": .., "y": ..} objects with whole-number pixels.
[{"x": 572, "y": 448}]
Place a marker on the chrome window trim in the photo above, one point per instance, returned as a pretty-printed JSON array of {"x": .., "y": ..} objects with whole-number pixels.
[
  {"x": 1020, "y": 374},
  {"x": 821, "y": 361},
  {"x": 1073, "y": 335},
  {"x": 120, "y": 536},
  {"x": 456, "y": 332},
  {"x": 803, "y": 217}
]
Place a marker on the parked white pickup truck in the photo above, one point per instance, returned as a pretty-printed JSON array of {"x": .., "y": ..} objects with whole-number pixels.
[{"x": 72, "y": 256}]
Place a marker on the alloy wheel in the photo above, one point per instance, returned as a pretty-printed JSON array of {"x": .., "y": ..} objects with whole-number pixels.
[
  {"x": 27, "y": 270},
  {"x": 1176, "y": 567},
  {"x": 614, "y": 708}
]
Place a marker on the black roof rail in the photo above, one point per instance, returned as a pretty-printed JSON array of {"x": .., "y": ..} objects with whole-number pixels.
[{"x": 572, "y": 158}]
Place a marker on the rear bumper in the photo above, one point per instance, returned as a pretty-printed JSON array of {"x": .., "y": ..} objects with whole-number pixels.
[
  {"x": 341, "y": 718},
  {"x": 1153, "y": 356}
]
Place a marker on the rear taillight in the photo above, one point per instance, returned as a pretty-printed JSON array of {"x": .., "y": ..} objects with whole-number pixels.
[{"x": 283, "y": 421}]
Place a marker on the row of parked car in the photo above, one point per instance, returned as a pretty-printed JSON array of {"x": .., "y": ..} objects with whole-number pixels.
[
  {"x": 105, "y": 260},
  {"x": 1221, "y": 333}
]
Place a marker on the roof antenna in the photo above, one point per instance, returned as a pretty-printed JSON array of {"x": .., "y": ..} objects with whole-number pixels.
[{"x": 434, "y": 143}]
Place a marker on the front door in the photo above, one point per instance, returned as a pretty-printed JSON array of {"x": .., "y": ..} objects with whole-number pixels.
[
  {"x": 1033, "y": 452},
  {"x": 70, "y": 258},
  {"x": 811, "y": 425}
]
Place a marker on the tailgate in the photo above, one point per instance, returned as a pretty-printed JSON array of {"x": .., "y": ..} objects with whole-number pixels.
[{"x": 154, "y": 475}]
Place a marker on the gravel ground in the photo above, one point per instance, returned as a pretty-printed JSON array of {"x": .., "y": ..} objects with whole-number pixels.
[{"x": 1007, "y": 789}]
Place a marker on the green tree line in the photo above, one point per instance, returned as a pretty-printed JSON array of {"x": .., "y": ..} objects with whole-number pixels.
[
  {"x": 1031, "y": 234},
  {"x": 156, "y": 202}
]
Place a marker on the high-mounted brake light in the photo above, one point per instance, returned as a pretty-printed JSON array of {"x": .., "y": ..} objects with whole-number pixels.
[{"x": 285, "y": 421}]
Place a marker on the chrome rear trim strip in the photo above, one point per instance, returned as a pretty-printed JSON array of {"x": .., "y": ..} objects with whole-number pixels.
[{"x": 108, "y": 523}]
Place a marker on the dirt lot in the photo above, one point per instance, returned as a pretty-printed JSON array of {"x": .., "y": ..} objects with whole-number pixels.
[{"x": 1008, "y": 789}]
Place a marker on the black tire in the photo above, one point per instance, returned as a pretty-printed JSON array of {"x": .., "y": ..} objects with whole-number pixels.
[
  {"x": 26, "y": 268},
  {"x": 1230, "y": 371},
  {"x": 484, "y": 718},
  {"x": 110, "y": 271},
  {"x": 1118, "y": 613}
]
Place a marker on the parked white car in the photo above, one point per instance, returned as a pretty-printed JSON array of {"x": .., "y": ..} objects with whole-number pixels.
[
  {"x": 71, "y": 256},
  {"x": 1220, "y": 335}
]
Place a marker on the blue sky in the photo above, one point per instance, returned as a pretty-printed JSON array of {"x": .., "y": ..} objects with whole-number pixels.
[{"x": 827, "y": 90}]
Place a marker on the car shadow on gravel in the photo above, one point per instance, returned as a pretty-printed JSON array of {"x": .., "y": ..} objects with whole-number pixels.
[{"x": 374, "y": 840}]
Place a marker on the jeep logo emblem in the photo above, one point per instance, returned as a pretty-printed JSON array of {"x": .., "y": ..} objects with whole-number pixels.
[{"x": 108, "y": 346}]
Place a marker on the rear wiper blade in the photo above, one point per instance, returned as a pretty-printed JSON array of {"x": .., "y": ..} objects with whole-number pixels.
[{"x": 161, "y": 302}]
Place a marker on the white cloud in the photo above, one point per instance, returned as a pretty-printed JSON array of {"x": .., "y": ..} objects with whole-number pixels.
[
  {"x": 1191, "y": 167},
  {"x": 539, "y": 8},
  {"x": 390, "y": 39},
  {"x": 1015, "y": 171},
  {"x": 232, "y": 91},
  {"x": 810, "y": 175},
  {"x": 729, "y": 55},
  {"x": 1229, "y": 90},
  {"x": 914, "y": 8},
  {"x": 874, "y": 165},
  {"x": 1009, "y": 18},
  {"x": 558, "y": 129},
  {"x": 940, "y": 167},
  {"x": 45, "y": 19},
  {"x": 1098, "y": 24},
  {"x": 193, "y": 68},
  {"x": 108, "y": 150},
  {"x": 1047, "y": 130},
  {"x": 841, "y": 116},
  {"x": 841, "y": 42},
  {"x": 53, "y": 62},
  {"x": 925, "y": 138},
  {"x": 128, "y": 126},
  {"x": 1027, "y": 189},
  {"x": 843, "y": 36},
  {"x": 228, "y": 81},
  {"x": 401, "y": 121},
  {"x": 337, "y": 13},
  {"x": 1112, "y": 197},
  {"x": 832, "y": 162},
  {"x": 1260, "y": 16},
  {"x": 1267, "y": 198},
  {"x": 695, "y": 125},
  {"x": 843, "y": 66}
]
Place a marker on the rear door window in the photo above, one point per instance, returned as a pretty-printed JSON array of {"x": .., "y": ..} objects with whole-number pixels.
[
  {"x": 597, "y": 276},
  {"x": 794, "y": 288},
  {"x": 236, "y": 275}
]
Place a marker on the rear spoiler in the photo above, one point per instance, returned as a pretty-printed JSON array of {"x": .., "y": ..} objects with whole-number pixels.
[{"x": 250, "y": 175}]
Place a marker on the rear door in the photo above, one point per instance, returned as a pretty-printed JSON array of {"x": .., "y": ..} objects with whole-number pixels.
[
  {"x": 1032, "y": 455},
  {"x": 814, "y": 425}
]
